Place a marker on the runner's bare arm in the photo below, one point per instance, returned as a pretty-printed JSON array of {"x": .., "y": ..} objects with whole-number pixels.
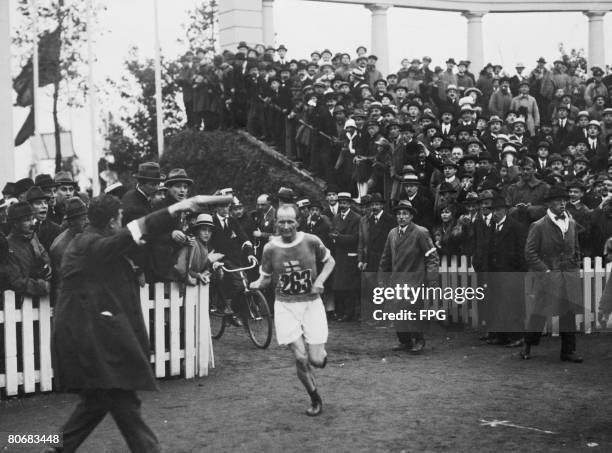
[
  {"x": 262, "y": 282},
  {"x": 328, "y": 267}
]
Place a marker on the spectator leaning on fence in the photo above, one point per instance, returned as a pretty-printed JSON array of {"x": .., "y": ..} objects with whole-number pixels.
[{"x": 29, "y": 264}]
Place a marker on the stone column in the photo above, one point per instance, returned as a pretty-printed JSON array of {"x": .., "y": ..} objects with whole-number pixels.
[
  {"x": 475, "y": 50},
  {"x": 380, "y": 35},
  {"x": 7, "y": 136},
  {"x": 597, "y": 55},
  {"x": 240, "y": 20},
  {"x": 268, "y": 22}
]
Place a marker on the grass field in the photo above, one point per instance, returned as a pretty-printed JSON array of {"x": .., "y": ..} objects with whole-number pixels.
[{"x": 449, "y": 399}]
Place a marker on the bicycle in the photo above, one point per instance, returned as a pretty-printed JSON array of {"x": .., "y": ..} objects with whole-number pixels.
[{"x": 258, "y": 322}]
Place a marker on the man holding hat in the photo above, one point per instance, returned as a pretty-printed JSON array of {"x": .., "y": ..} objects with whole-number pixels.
[
  {"x": 29, "y": 260},
  {"x": 409, "y": 257},
  {"x": 552, "y": 254}
]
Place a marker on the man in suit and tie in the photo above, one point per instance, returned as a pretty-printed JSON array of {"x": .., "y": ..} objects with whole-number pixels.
[
  {"x": 264, "y": 217},
  {"x": 597, "y": 151},
  {"x": 581, "y": 128},
  {"x": 542, "y": 160},
  {"x": 379, "y": 225},
  {"x": 317, "y": 223},
  {"x": 446, "y": 122},
  {"x": 136, "y": 204},
  {"x": 331, "y": 196},
  {"x": 505, "y": 278},
  {"x": 229, "y": 239},
  {"x": 345, "y": 237},
  {"x": 552, "y": 254},
  {"x": 409, "y": 257},
  {"x": 420, "y": 198},
  {"x": 563, "y": 129}
]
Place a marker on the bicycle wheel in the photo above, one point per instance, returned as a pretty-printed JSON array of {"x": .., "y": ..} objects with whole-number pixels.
[
  {"x": 217, "y": 317},
  {"x": 259, "y": 322}
]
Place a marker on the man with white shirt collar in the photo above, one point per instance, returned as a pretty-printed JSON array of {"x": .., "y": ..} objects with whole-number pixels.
[
  {"x": 553, "y": 255},
  {"x": 331, "y": 196}
]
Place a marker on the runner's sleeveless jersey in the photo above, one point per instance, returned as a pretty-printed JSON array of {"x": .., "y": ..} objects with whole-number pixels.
[{"x": 293, "y": 266}]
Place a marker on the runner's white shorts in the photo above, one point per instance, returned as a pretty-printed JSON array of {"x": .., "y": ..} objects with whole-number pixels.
[{"x": 295, "y": 319}]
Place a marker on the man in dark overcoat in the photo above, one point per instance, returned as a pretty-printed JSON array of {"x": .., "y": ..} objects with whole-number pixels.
[
  {"x": 552, "y": 254},
  {"x": 136, "y": 202},
  {"x": 505, "y": 277},
  {"x": 345, "y": 237},
  {"x": 100, "y": 346},
  {"x": 409, "y": 257}
]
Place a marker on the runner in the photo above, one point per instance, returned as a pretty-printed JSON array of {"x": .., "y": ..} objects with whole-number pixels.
[{"x": 290, "y": 261}]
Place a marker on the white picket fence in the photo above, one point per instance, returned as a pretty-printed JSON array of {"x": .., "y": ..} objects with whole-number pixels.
[
  {"x": 455, "y": 272},
  {"x": 178, "y": 326}
]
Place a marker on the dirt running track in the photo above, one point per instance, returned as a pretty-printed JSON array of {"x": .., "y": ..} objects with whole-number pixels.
[{"x": 374, "y": 400}]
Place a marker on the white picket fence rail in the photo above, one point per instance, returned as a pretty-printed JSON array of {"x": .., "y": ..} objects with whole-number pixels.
[
  {"x": 456, "y": 272},
  {"x": 178, "y": 327}
]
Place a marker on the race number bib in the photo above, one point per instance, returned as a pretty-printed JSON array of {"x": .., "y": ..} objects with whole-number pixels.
[{"x": 295, "y": 282}]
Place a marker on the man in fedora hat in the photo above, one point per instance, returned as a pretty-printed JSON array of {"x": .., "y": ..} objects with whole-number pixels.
[
  {"x": 137, "y": 202},
  {"x": 345, "y": 239},
  {"x": 46, "y": 230},
  {"x": 409, "y": 257},
  {"x": 21, "y": 187},
  {"x": 419, "y": 197},
  {"x": 76, "y": 220},
  {"x": 66, "y": 188},
  {"x": 552, "y": 254},
  {"x": 379, "y": 223},
  {"x": 30, "y": 264},
  {"x": 505, "y": 278}
]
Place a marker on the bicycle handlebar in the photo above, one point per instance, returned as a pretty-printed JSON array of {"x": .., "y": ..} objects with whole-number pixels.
[{"x": 240, "y": 269}]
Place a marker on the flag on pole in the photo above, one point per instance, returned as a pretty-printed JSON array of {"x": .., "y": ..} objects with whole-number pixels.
[
  {"x": 49, "y": 47},
  {"x": 27, "y": 129}
]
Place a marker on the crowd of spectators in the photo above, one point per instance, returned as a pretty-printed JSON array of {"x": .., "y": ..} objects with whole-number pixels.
[{"x": 447, "y": 138}]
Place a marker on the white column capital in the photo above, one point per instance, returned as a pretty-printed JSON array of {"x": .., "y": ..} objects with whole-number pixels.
[
  {"x": 380, "y": 8},
  {"x": 594, "y": 15},
  {"x": 474, "y": 15}
]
